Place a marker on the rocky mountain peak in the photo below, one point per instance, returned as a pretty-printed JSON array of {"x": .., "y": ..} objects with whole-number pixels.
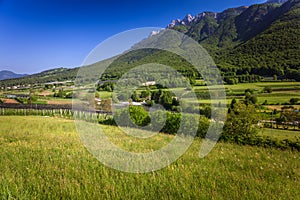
[
  {"x": 206, "y": 14},
  {"x": 188, "y": 19}
]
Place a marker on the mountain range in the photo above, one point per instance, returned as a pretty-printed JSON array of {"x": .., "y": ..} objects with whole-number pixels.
[
  {"x": 5, "y": 74},
  {"x": 261, "y": 39}
]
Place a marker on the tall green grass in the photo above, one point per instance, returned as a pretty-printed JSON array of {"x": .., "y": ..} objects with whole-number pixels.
[{"x": 43, "y": 158}]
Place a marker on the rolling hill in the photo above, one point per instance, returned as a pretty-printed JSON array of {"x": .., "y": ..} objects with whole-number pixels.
[{"x": 57, "y": 74}]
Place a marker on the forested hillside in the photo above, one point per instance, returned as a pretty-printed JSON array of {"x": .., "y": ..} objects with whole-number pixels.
[{"x": 262, "y": 39}]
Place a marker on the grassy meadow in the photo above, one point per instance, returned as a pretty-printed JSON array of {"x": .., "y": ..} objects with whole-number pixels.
[
  {"x": 281, "y": 134},
  {"x": 43, "y": 158}
]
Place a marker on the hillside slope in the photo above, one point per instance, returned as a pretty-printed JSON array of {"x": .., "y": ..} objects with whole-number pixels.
[
  {"x": 275, "y": 50},
  {"x": 261, "y": 39}
]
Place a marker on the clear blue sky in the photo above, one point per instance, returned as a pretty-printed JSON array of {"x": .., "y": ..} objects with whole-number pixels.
[{"x": 41, "y": 34}]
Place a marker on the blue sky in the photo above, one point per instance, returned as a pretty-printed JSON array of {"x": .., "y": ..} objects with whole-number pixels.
[{"x": 42, "y": 34}]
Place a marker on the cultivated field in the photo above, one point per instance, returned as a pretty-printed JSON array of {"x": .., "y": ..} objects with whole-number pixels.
[
  {"x": 43, "y": 158},
  {"x": 282, "y": 92}
]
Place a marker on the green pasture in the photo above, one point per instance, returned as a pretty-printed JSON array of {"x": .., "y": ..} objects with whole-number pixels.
[
  {"x": 281, "y": 134},
  {"x": 277, "y": 97},
  {"x": 261, "y": 85},
  {"x": 104, "y": 94}
]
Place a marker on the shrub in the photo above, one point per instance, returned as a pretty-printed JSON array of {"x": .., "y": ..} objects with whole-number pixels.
[
  {"x": 268, "y": 142},
  {"x": 202, "y": 126},
  {"x": 134, "y": 115},
  {"x": 170, "y": 122},
  {"x": 265, "y": 102},
  {"x": 241, "y": 123},
  {"x": 293, "y": 101},
  {"x": 267, "y": 89}
]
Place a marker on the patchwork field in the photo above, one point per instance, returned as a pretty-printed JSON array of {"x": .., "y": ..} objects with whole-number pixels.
[
  {"x": 282, "y": 92},
  {"x": 43, "y": 158}
]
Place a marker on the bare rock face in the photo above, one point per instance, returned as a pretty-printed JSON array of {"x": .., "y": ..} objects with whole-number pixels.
[
  {"x": 174, "y": 22},
  {"x": 206, "y": 14},
  {"x": 188, "y": 19}
]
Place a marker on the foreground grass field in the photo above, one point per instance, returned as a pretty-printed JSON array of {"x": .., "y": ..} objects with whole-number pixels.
[{"x": 43, "y": 158}]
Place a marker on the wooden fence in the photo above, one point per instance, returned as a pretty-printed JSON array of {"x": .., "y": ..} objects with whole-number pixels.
[{"x": 92, "y": 115}]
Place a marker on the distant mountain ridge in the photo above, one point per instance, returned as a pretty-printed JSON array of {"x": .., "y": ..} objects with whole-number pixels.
[
  {"x": 6, "y": 74},
  {"x": 56, "y": 74},
  {"x": 189, "y": 19}
]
